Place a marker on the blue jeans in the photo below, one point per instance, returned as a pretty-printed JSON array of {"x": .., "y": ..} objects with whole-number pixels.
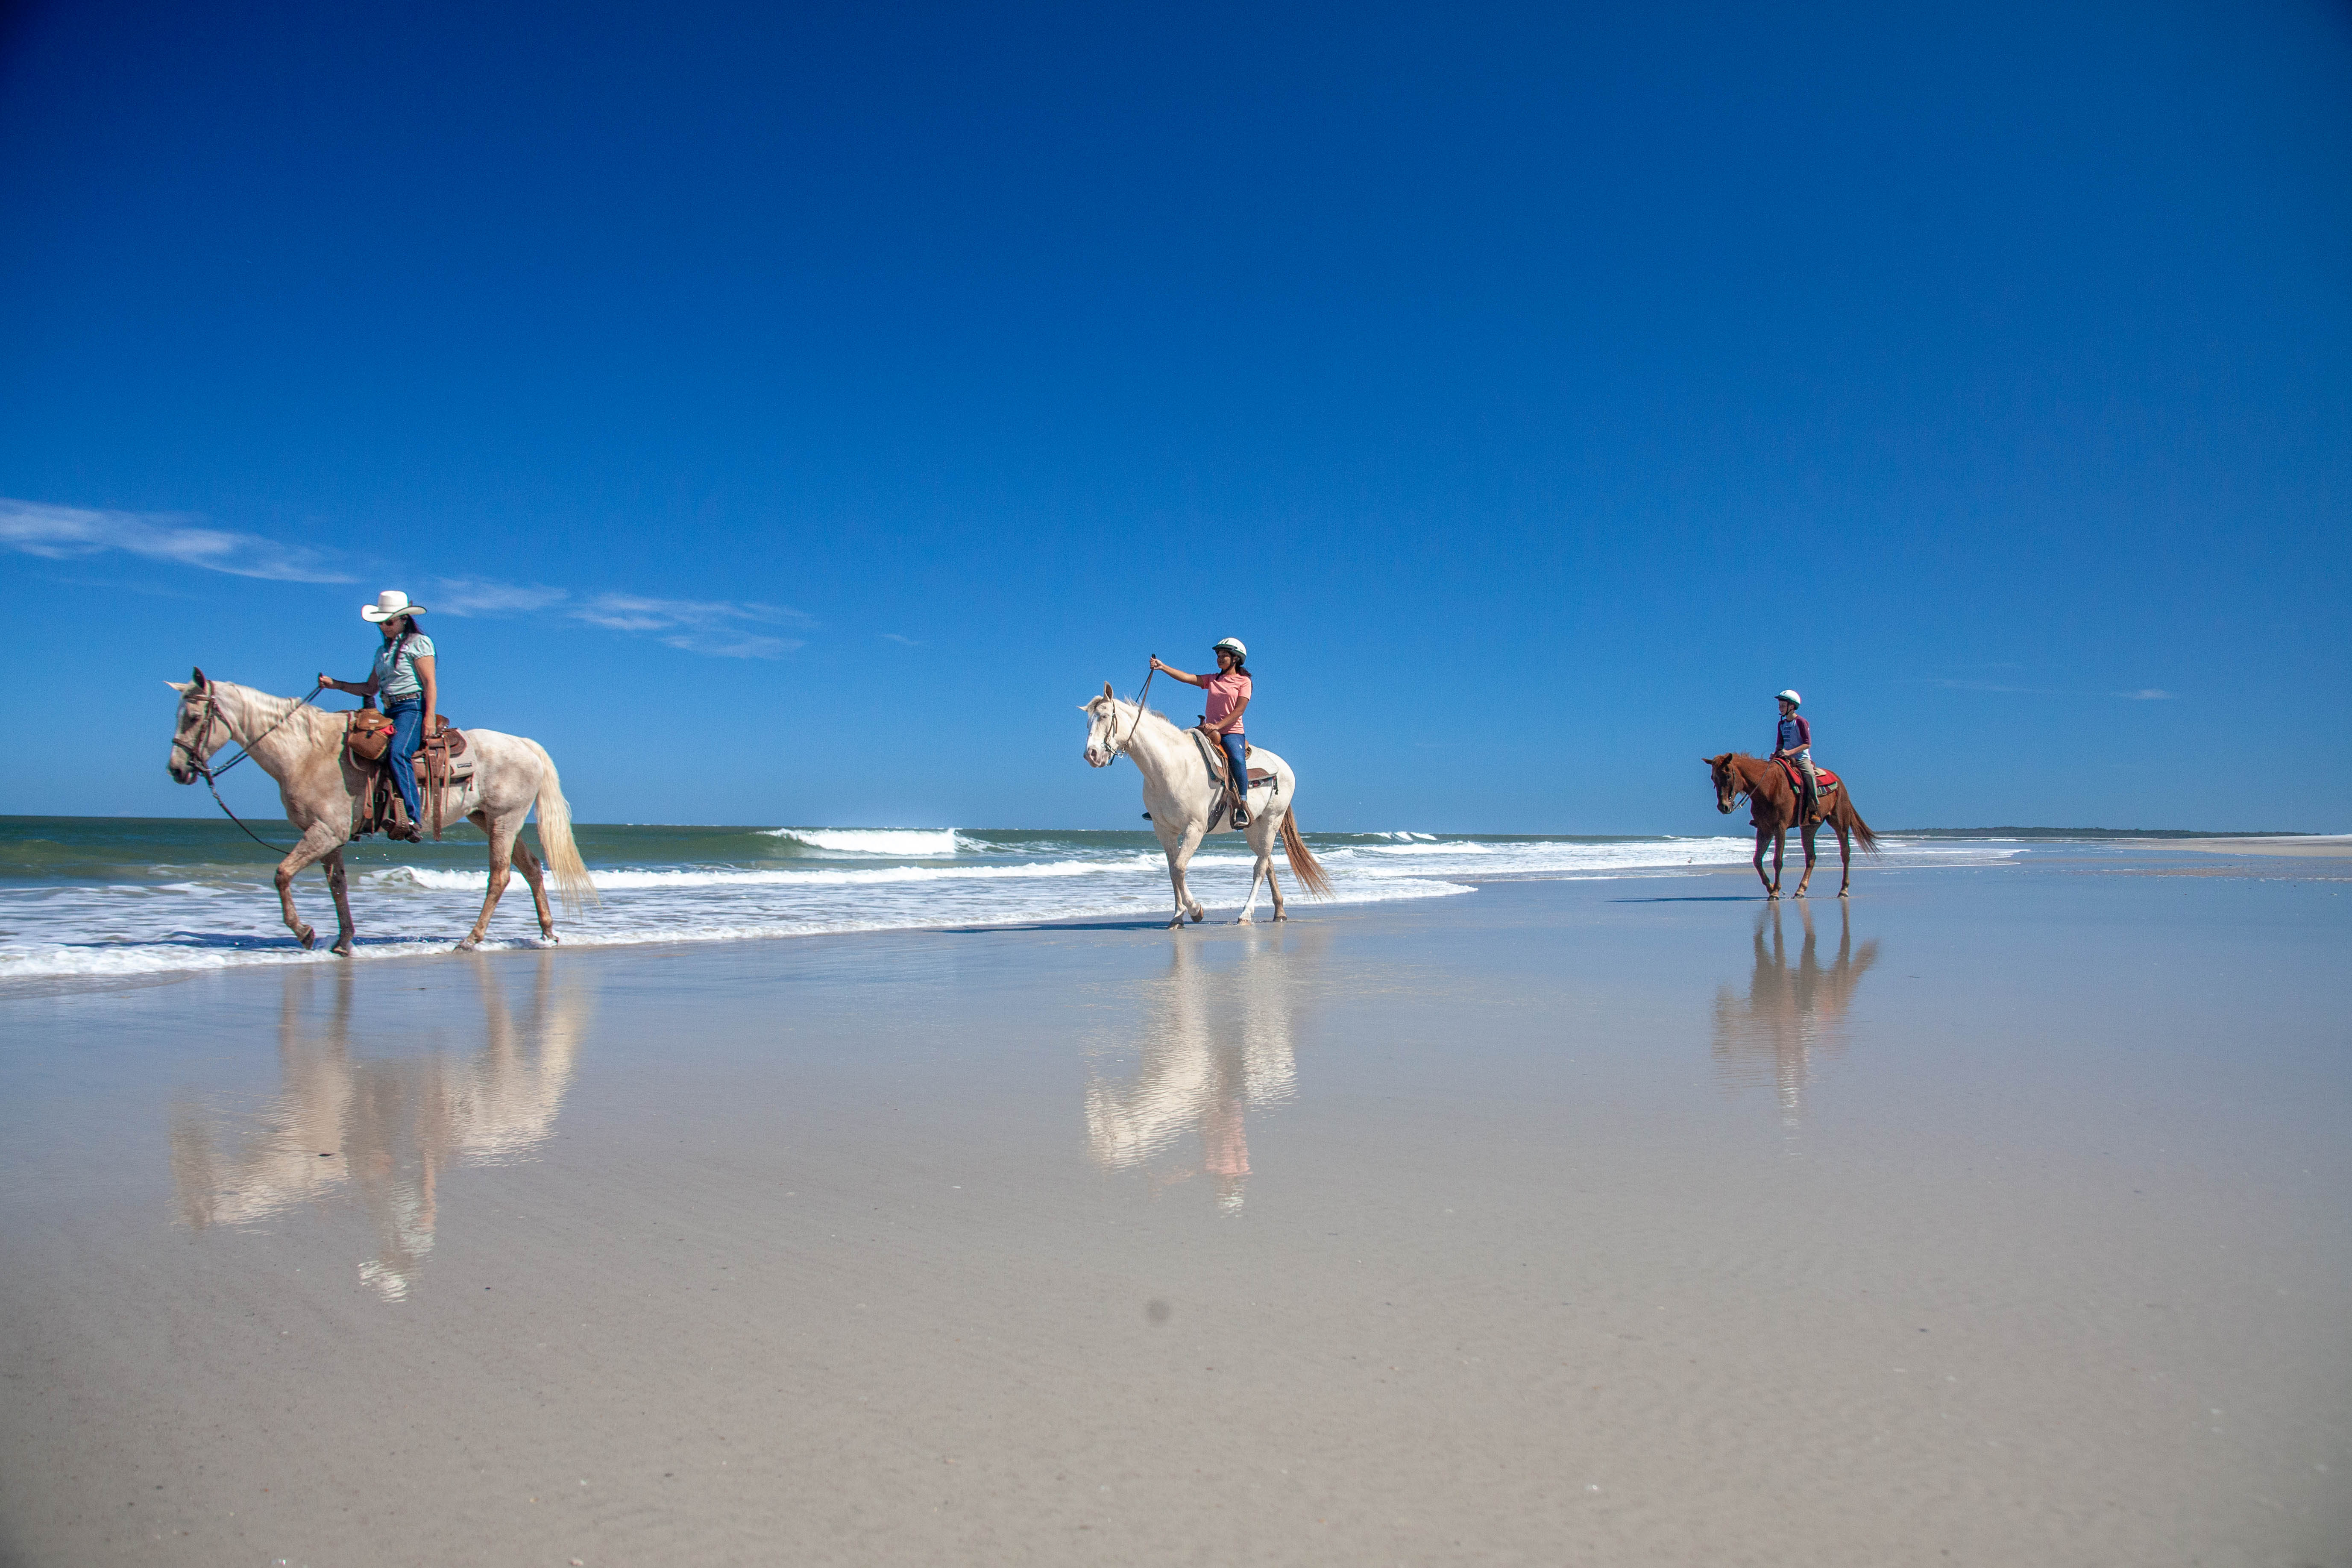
[
  {"x": 407, "y": 716},
  {"x": 1237, "y": 754}
]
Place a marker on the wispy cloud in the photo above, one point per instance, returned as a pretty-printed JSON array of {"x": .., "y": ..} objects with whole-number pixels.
[
  {"x": 904, "y": 642},
  {"x": 1949, "y": 683},
  {"x": 472, "y": 596},
  {"x": 720, "y": 627},
  {"x": 63, "y": 532}
]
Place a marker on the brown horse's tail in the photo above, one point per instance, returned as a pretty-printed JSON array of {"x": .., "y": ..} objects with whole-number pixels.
[
  {"x": 1302, "y": 860},
  {"x": 573, "y": 884},
  {"x": 1864, "y": 839}
]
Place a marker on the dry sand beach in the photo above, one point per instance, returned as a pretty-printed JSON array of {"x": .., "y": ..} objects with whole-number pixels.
[{"x": 1998, "y": 1218}]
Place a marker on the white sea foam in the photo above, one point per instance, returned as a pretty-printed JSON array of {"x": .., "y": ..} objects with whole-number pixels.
[
  {"x": 907, "y": 842},
  {"x": 216, "y": 917}
]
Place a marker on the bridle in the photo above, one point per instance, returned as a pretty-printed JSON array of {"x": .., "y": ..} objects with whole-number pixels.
[
  {"x": 211, "y": 713},
  {"x": 1726, "y": 798},
  {"x": 1131, "y": 729}
]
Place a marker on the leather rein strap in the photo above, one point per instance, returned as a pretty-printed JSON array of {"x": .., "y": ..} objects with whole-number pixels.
[
  {"x": 1131, "y": 729},
  {"x": 212, "y": 711}
]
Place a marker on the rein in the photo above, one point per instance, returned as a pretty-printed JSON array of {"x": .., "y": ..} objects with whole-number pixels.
[
  {"x": 212, "y": 711},
  {"x": 1131, "y": 729}
]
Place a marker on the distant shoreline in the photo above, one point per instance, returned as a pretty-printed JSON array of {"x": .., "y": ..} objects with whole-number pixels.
[{"x": 2099, "y": 833}]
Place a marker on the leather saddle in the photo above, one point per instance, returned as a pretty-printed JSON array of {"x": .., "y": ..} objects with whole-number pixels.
[
  {"x": 443, "y": 763},
  {"x": 1213, "y": 753},
  {"x": 1797, "y": 778}
]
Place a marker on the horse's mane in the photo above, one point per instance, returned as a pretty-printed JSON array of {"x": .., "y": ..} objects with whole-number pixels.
[{"x": 263, "y": 709}]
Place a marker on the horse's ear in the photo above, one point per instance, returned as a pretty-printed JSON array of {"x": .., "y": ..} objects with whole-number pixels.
[
  {"x": 179, "y": 685},
  {"x": 199, "y": 680},
  {"x": 1106, "y": 688}
]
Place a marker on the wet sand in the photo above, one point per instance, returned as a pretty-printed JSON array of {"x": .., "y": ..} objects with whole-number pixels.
[
  {"x": 2329, "y": 847},
  {"x": 1999, "y": 1217}
]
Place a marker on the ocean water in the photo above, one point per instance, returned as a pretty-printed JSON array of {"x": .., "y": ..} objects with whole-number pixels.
[{"x": 115, "y": 897}]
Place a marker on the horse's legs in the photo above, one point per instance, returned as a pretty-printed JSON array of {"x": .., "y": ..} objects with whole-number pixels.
[
  {"x": 338, "y": 883},
  {"x": 1178, "y": 860},
  {"x": 1772, "y": 883},
  {"x": 1811, "y": 828},
  {"x": 316, "y": 845},
  {"x": 1260, "y": 842},
  {"x": 503, "y": 837},
  {"x": 1845, "y": 860},
  {"x": 528, "y": 864},
  {"x": 1274, "y": 886}
]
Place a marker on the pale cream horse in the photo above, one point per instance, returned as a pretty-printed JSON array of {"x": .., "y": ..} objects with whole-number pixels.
[
  {"x": 302, "y": 748},
  {"x": 1183, "y": 803}
]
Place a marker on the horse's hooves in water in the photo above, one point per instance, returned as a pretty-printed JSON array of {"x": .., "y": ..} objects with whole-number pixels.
[
  {"x": 466, "y": 946},
  {"x": 308, "y": 938},
  {"x": 342, "y": 948},
  {"x": 1280, "y": 916}
]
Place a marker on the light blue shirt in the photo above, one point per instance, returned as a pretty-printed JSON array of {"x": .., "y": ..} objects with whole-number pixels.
[{"x": 395, "y": 681}]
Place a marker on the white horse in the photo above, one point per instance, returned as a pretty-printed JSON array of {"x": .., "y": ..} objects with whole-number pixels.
[
  {"x": 302, "y": 748},
  {"x": 1182, "y": 800}
]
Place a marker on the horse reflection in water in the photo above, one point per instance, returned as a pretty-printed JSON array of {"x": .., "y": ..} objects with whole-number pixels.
[
  {"x": 1217, "y": 1042},
  {"x": 1794, "y": 1016},
  {"x": 391, "y": 1124}
]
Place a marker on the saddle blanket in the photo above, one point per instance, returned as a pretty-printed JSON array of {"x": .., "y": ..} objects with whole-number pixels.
[{"x": 1797, "y": 780}]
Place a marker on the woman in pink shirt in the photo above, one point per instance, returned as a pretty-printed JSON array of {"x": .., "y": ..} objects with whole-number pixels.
[{"x": 1228, "y": 699}]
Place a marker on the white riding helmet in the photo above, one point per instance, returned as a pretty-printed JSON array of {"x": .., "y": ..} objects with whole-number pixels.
[
  {"x": 1789, "y": 697},
  {"x": 1233, "y": 643}
]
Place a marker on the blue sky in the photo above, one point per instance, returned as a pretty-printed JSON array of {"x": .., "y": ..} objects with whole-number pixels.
[{"x": 792, "y": 413}]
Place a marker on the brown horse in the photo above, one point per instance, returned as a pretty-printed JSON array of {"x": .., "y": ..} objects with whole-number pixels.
[{"x": 1774, "y": 808}]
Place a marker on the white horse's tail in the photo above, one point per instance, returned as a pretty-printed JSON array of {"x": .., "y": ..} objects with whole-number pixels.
[
  {"x": 1302, "y": 861},
  {"x": 571, "y": 881}
]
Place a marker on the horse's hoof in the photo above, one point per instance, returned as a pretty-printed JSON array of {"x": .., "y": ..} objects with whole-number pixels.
[
  {"x": 1844, "y": 894},
  {"x": 342, "y": 948},
  {"x": 1278, "y": 915},
  {"x": 1243, "y": 920},
  {"x": 469, "y": 945},
  {"x": 308, "y": 938}
]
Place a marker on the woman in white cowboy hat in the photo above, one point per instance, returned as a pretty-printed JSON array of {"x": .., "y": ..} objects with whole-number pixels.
[
  {"x": 1228, "y": 699},
  {"x": 402, "y": 677}
]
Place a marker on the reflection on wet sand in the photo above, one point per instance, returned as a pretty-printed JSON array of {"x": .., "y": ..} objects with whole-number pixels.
[
  {"x": 1216, "y": 1040},
  {"x": 386, "y": 1125},
  {"x": 1793, "y": 1017}
]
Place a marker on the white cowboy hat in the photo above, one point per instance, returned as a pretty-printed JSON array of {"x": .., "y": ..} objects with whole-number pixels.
[
  {"x": 1790, "y": 696},
  {"x": 390, "y": 603}
]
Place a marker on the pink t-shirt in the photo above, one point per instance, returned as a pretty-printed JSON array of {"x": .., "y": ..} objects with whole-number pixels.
[{"x": 1226, "y": 693}]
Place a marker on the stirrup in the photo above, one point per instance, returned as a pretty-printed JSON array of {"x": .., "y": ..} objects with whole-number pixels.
[{"x": 1241, "y": 816}]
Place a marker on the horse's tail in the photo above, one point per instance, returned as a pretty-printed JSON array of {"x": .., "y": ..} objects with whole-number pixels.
[
  {"x": 571, "y": 880},
  {"x": 1302, "y": 860},
  {"x": 1863, "y": 837}
]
